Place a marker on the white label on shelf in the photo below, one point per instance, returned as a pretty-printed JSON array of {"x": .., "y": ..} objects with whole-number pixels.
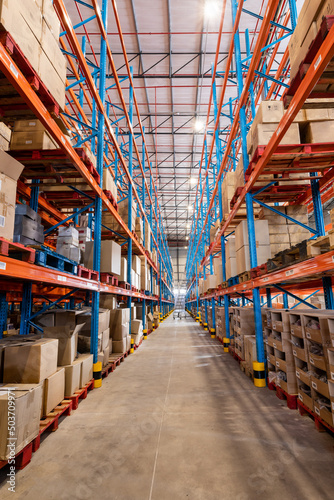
[
  {"x": 277, "y": 364},
  {"x": 312, "y": 361},
  {"x": 234, "y": 288},
  {"x": 28, "y": 142},
  {"x": 62, "y": 278},
  {"x": 290, "y": 272},
  {"x": 294, "y": 353},
  {"x": 300, "y": 397},
  {"x": 266, "y": 279},
  {"x": 274, "y": 344},
  {"x": 14, "y": 70},
  {"x": 317, "y": 62},
  {"x": 297, "y": 374},
  {"x": 2, "y": 221},
  {"x": 308, "y": 335},
  {"x": 3, "y": 266},
  {"x": 317, "y": 411},
  {"x": 314, "y": 385}
]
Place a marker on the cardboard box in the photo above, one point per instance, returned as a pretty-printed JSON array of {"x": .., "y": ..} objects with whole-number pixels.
[
  {"x": 86, "y": 372},
  {"x": 54, "y": 391},
  {"x": 67, "y": 342},
  {"x": 51, "y": 79},
  {"x": 31, "y": 140},
  {"x": 243, "y": 258},
  {"x": 72, "y": 378},
  {"x": 319, "y": 132},
  {"x": 136, "y": 326},
  {"x": 110, "y": 256},
  {"x": 119, "y": 316},
  {"x": 10, "y": 171},
  {"x": 264, "y": 132},
  {"x": 269, "y": 112},
  {"x": 103, "y": 356},
  {"x": 30, "y": 362},
  {"x": 85, "y": 317},
  {"x": 261, "y": 234},
  {"x": 28, "y": 404},
  {"x": 108, "y": 301},
  {"x": 123, "y": 275},
  {"x": 119, "y": 346},
  {"x": 105, "y": 339},
  {"x": 108, "y": 183},
  {"x": 305, "y": 399}
]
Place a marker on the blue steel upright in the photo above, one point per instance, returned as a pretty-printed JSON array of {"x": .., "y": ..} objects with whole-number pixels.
[
  {"x": 98, "y": 202},
  {"x": 249, "y": 200},
  {"x": 130, "y": 195}
]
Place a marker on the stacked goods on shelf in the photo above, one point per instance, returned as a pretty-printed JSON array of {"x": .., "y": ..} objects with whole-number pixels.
[
  {"x": 231, "y": 261},
  {"x": 318, "y": 339},
  {"x": 220, "y": 323},
  {"x": 229, "y": 185},
  {"x": 136, "y": 330},
  {"x": 30, "y": 134},
  {"x": 85, "y": 234},
  {"x": 109, "y": 186},
  {"x": 28, "y": 229},
  {"x": 68, "y": 243},
  {"x": 10, "y": 171},
  {"x": 242, "y": 325},
  {"x": 139, "y": 229},
  {"x": 110, "y": 256},
  {"x": 145, "y": 275},
  {"x": 148, "y": 237},
  {"x": 83, "y": 321},
  {"x": 156, "y": 316},
  {"x": 119, "y": 330},
  {"x": 283, "y": 233},
  {"x": 269, "y": 349},
  {"x": 35, "y": 27},
  {"x": 308, "y": 25},
  {"x": 210, "y": 318},
  {"x": 136, "y": 272},
  {"x": 242, "y": 244},
  {"x": 250, "y": 354},
  {"x": 264, "y": 125},
  {"x": 123, "y": 275},
  {"x": 109, "y": 220},
  {"x": 280, "y": 339},
  {"x": 149, "y": 321},
  {"x": 155, "y": 256},
  {"x": 5, "y": 135}
]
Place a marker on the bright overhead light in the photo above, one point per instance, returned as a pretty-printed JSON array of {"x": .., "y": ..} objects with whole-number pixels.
[
  {"x": 198, "y": 126},
  {"x": 188, "y": 226},
  {"x": 190, "y": 208},
  {"x": 212, "y": 10},
  {"x": 187, "y": 237},
  {"x": 192, "y": 180},
  {"x": 185, "y": 247}
]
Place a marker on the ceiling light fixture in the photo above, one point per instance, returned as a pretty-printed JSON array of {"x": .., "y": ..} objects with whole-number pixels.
[
  {"x": 198, "y": 126},
  {"x": 211, "y": 10},
  {"x": 193, "y": 180}
]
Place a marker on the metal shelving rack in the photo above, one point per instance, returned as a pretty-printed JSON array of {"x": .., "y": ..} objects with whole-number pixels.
[
  {"x": 254, "y": 77},
  {"x": 88, "y": 88}
]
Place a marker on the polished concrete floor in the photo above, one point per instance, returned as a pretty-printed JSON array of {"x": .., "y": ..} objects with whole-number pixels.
[{"x": 179, "y": 420}]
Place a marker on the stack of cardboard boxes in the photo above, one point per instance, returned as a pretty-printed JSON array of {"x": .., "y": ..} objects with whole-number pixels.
[
  {"x": 242, "y": 245},
  {"x": 10, "y": 171},
  {"x": 30, "y": 134},
  {"x": 242, "y": 323},
  {"x": 284, "y": 233},
  {"x": 35, "y": 27},
  {"x": 110, "y": 256},
  {"x": 28, "y": 229},
  {"x": 5, "y": 136},
  {"x": 120, "y": 330},
  {"x": 68, "y": 243}
]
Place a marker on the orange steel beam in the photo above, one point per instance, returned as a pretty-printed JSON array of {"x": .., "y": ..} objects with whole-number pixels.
[
  {"x": 75, "y": 46},
  {"x": 14, "y": 75},
  {"x": 25, "y": 191}
]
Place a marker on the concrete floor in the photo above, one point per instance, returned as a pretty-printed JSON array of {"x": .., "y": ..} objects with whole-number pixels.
[{"x": 179, "y": 420}]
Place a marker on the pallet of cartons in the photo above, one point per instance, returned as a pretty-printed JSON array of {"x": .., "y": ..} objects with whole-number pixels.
[
  {"x": 17, "y": 251},
  {"x": 320, "y": 245}
]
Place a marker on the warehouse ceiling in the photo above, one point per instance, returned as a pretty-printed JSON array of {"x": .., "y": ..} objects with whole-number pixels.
[{"x": 171, "y": 46}]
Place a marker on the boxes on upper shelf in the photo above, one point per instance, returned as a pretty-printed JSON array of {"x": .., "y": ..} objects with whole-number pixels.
[
  {"x": 27, "y": 227},
  {"x": 67, "y": 341},
  {"x": 110, "y": 256},
  {"x": 54, "y": 391},
  {"x": 10, "y": 171}
]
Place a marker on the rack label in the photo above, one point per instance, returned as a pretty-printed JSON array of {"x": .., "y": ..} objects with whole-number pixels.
[
  {"x": 265, "y": 279},
  {"x": 289, "y": 273},
  {"x": 297, "y": 374},
  {"x": 62, "y": 278},
  {"x": 317, "y": 411},
  {"x": 3, "y": 266},
  {"x": 314, "y": 385}
]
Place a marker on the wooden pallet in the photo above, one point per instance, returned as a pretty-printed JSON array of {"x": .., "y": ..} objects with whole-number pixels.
[
  {"x": 17, "y": 251},
  {"x": 294, "y": 255},
  {"x": 81, "y": 394},
  {"x": 108, "y": 278},
  {"x": 89, "y": 274},
  {"x": 125, "y": 285},
  {"x": 258, "y": 271},
  {"x": 114, "y": 361},
  {"x": 49, "y": 423},
  {"x": 48, "y": 258},
  {"x": 246, "y": 276},
  {"x": 320, "y": 245},
  {"x": 320, "y": 424}
]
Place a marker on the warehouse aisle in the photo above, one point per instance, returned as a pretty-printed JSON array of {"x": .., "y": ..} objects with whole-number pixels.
[{"x": 179, "y": 420}]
